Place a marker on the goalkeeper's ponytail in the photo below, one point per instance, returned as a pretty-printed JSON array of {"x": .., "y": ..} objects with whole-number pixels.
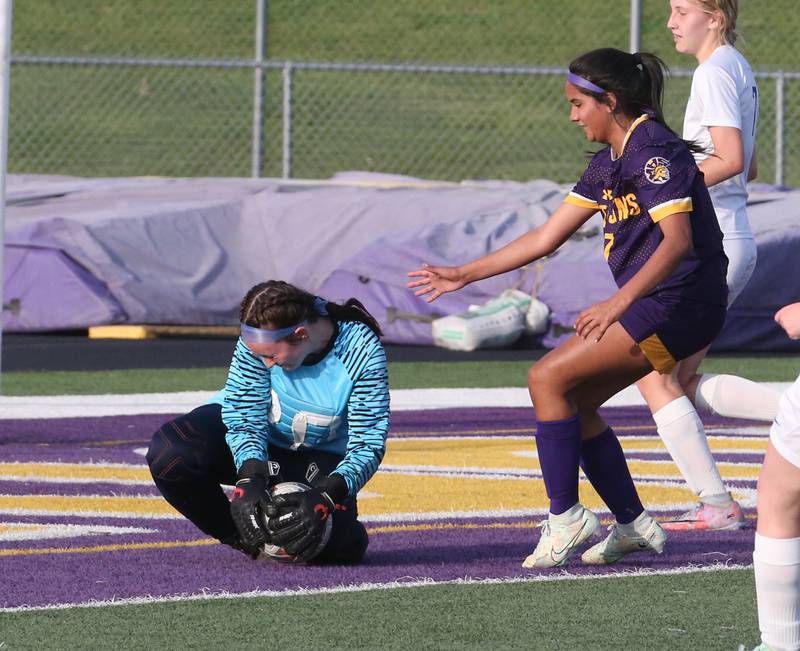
[{"x": 354, "y": 310}]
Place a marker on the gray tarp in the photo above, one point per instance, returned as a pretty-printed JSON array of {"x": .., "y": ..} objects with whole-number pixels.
[{"x": 83, "y": 252}]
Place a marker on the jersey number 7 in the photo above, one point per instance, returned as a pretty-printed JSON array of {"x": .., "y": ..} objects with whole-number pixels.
[{"x": 609, "y": 237}]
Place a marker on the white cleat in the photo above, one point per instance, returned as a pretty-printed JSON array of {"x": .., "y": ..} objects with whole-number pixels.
[
  {"x": 558, "y": 543},
  {"x": 616, "y": 545}
]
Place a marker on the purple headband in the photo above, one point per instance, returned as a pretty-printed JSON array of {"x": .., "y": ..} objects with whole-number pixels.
[
  {"x": 580, "y": 82},
  {"x": 253, "y": 335}
]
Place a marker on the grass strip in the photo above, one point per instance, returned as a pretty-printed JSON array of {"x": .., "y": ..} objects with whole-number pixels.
[
  {"x": 403, "y": 375},
  {"x": 592, "y": 614}
]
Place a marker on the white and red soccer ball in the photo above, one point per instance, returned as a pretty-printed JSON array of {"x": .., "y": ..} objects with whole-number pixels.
[{"x": 279, "y": 553}]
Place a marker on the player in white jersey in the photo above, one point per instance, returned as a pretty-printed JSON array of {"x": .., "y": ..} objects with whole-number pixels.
[
  {"x": 776, "y": 558},
  {"x": 721, "y": 116}
]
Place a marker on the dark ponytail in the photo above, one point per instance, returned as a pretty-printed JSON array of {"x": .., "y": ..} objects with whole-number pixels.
[
  {"x": 279, "y": 305},
  {"x": 637, "y": 80},
  {"x": 354, "y": 310}
]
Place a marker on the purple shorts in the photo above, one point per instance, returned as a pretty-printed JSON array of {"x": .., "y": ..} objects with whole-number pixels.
[{"x": 669, "y": 329}]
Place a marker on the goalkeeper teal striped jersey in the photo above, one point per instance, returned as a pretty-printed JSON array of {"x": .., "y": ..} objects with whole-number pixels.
[{"x": 339, "y": 404}]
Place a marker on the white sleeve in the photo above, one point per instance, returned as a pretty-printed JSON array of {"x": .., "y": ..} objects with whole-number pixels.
[{"x": 719, "y": 97}]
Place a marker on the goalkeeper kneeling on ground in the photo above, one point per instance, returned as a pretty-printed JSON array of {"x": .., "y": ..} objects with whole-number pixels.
[{"x": 299, "y": 428}]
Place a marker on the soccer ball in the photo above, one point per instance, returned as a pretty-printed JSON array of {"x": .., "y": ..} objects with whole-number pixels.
[{"x": 279, "y": 553}]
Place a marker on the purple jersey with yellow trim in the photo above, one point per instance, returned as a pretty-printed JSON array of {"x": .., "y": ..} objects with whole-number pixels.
[{"x": 655, "y": 177}]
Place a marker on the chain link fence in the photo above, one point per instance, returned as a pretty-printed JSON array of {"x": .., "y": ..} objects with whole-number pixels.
[{"x": 439, "y": 89}]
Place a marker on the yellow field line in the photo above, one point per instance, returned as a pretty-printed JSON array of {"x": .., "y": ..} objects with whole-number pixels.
[
  {"x": 108, "y": 548},
  {"x": 396, "y": 528},
  {"x": 211, "y": 541}
]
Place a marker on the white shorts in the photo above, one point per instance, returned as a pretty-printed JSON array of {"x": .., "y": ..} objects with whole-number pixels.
[
  {"x": 742, "y": 255},
  {"x": 785, "y": 431}
]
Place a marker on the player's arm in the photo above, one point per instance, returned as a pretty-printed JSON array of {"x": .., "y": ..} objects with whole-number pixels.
[
  {"x": 368, "y": 419},
  {"x": 728, "y": 158},
  {"x": 246, "y": 401},
  {"x": 675, "y": 246},
  {"x": 752, "y": 173},
  {"x": 244, "y": 412},
  {"x": 677, "y": 243},
  {"x": 788, "y": 318},
  {"x": 535, "y": 244},
  {"x": 719, "y": 95}
]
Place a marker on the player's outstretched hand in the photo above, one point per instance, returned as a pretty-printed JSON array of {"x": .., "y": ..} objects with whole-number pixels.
[
  {"x": 595, "y": 320},
  {"x": 788, "y": 318},
  {"x": 297, "y": 520},
  {"x": 435, "y": 281}
]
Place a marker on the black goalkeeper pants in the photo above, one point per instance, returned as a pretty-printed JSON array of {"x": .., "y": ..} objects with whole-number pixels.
[{"x": 189, "y": 459}]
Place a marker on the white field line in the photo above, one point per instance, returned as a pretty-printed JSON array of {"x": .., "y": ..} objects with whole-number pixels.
[
  {"x": 411, "y": 582},
  {"x": 30, "y": 531},
  {"x": 540, "y": 512},
  {"x": 69, "y": 406},
  {"x": 626, "y": 438}
]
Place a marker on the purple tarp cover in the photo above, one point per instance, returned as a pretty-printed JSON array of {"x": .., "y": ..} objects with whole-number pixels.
[{"x": 83, "y": 252}]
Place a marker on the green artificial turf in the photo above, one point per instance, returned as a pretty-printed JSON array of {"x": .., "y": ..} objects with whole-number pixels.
[
  {"x": 402, "y": 375},
  {"x": 701, "y": 610}
]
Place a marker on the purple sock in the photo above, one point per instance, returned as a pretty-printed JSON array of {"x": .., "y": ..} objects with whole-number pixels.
[
  {"x": 558, "y": 443},
  {"x": 604, "y": 465}
]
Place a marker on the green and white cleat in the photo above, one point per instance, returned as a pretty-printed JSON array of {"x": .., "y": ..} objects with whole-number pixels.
[
  {"x": 616, "y": 545},
  {"x": 558, "y": 543}
]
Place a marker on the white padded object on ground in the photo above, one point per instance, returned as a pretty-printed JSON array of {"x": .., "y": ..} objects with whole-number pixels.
[
  {"x": 497, "y": 323},
  {"x": 537, "y": 318}
]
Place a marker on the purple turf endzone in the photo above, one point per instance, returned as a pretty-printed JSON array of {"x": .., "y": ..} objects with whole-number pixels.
[{"x": 145, "y": 566}]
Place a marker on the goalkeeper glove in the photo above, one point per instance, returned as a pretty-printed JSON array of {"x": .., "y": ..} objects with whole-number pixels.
[
  {"x": 250, "y": 499},
  {"x": 297, "y": 521}
]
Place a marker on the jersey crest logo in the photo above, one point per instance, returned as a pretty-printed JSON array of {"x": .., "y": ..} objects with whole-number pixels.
[
  {"x": 312, "y": 471},
  {"x": 656, "y": 170}
]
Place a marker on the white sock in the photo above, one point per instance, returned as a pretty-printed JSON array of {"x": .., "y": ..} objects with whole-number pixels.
[
  {"x": 722, "y": 500},
  {"x": 777, "y": 568},
  {"x": 683, "y": 434},
  {"x": 736, "y": 397},
  {"x": 638, "y": 527},
  {"x": 570, "y": 516}
]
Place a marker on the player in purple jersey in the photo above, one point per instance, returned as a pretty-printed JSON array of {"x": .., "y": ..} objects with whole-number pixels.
[{"x": 664, "y": 248}]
